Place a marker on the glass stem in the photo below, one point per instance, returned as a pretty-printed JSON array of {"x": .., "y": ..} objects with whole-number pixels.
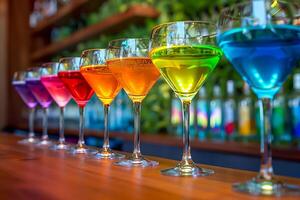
[
  {"x": 61, "y": 126},
  {"x": 186, "y": 156},
  {"x": 45, "y": 124},
  {"x": 266, "y": 169},
  {"x": 106, "y": 129},
  {"x": 31, "y": 123},
  {"x": 81, "y": 127},
  {"x": 137, "y": 129}
]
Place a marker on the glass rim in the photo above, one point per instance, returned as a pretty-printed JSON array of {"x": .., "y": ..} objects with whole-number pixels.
[
  {"x": 48, "y": 63},
  {"x": 69, "y": 58},
  {"x": 93, "y": 49},
  {"x": 124, "y": 39},
  {"x": 184, "y": 21},
  {"x": 32, "y": 68}
]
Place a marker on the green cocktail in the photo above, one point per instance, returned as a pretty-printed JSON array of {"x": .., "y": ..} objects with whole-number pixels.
[
  {"x": 185, "y": 68},
  {"x": 185, "y": 55}
]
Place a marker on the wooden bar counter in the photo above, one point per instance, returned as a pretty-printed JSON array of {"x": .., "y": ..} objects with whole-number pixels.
[{"x": 28, "y": 172}]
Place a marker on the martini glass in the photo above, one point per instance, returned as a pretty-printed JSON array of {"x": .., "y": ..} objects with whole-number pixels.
[
  {"x": 96, "y": 73},
  {"x": 30, "y": 101},
  {"x": 33, "y": 82},
  {"x": 129, "y": 62},
  {"x": 81, "y": 92},
  {"x": 259, "y": 39},
  {"x": 185, "y": 54},
  {"x": 60, "y": 95}
]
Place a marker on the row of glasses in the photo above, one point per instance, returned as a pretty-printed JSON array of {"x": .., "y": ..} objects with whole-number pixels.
[{"x": 258, "y": 37}]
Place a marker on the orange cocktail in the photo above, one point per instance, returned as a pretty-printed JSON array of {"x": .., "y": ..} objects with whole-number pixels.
[
  {"x": 137, "y": 75},
  {"x": 104, "y": 84}
]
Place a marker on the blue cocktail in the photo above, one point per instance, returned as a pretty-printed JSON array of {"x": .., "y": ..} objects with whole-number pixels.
[
  {"x": 263, "y": 56},
  {"x": 262, "y": 42}
]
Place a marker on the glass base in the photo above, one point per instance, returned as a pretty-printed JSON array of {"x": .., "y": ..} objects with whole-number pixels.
[
  {"x": 44, "y": 143},
  {"x": 29, "y": 141},
  {"x": 82, "y": 150},
  {"x": 273, "y": 187},
  {"x": 108, "y": 154},
  {"x": 187, "y": 168},
  {"x": 60, "y": 146},
  {"x": 136, "y": 162}
]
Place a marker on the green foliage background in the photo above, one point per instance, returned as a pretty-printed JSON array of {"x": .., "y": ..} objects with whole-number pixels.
[{"x": 157, "y": 105}]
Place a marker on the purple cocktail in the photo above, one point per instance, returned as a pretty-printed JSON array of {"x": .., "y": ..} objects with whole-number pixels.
[
  {"x": 40, "y": 92},
  {"x": 31, "y": 102},
  {"x": 43, "y": 97}
]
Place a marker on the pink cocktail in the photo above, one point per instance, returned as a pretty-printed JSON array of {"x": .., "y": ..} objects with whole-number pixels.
[{"x": 57, "y": 89}]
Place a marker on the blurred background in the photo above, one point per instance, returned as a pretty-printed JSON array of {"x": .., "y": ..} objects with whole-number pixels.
[{"x": 224, "y": 117}]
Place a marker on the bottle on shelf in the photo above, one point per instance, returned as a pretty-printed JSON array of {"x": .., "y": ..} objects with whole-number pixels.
[
  {"x": 202, "y": 109},
  {"x": 230, "y": 111},
  {"x": 294, "y": 107},
  {"x": 36, "y": 14},
  {"x": 279, "y": 116},
  {"x": 245, "y": 115},
  {"x": 49, "y": 7},
  {"x": 216, "y": 118}
]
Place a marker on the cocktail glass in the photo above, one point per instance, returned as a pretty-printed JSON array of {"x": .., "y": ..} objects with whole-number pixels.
[
  {"x": 129, "y": 62},
  {"x": 262, "y": 43},
  {"x": 33, "y": 82},
  {"x": 30, "y": 101},
  {"x": 81, "y": 92},
  {"x": 185, "y": 54},
  {"x": 106, "y": 86},
  {"x": 60, "y": 95}
]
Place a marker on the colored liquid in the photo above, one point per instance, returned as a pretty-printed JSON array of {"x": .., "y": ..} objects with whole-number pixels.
[
  {"x": 202, "y": 114},
  {"x": 136, "y": 75},
  {"x": 77, "y": 86},
  {"x": 102, "y": 81},
  {"x": 57, "y": 89},
  {"x": 215, "y": 118},
  {"x": 40, "y": 92},
  {"x": 25, "y": 94},
  {"x": 185, "y": 68},
  {"x": 229, "y": 116},
  {"x": 264, "y": 57},
  {"x": 244, "y": 120}
]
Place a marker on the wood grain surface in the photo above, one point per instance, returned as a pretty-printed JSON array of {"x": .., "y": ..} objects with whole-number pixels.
[{"x": 28, "y": 172}]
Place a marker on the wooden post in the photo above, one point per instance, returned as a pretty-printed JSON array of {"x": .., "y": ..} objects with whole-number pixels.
[{"x": 18, "y": 53}]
